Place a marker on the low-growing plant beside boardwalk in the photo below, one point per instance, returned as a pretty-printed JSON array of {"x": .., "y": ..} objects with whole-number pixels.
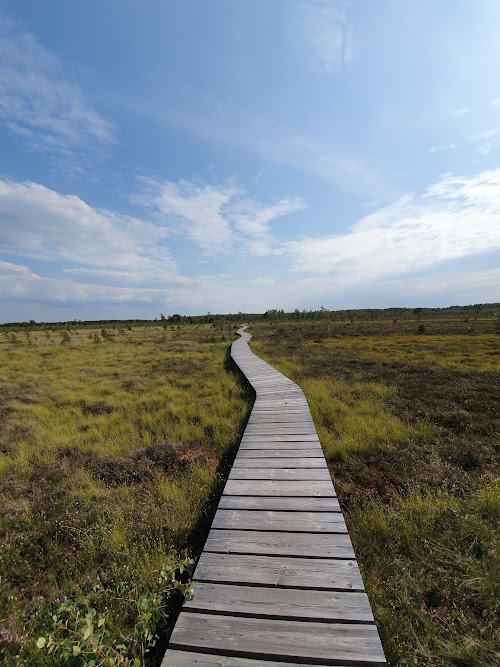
[
  {"x": 111, "y": 449},
  {"x": 410, "y": 424}
]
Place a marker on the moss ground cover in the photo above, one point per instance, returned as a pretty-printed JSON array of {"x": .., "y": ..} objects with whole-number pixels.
[
  {"x": 113, "y": 442},
  {"x": 410, "y": 425}
]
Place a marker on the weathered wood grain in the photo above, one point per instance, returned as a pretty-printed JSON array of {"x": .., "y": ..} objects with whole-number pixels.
[
  {"x": 246, "y": 456},
  {"x": 290, "y": 522},
  {"x": 321, "y": 474},
  {"x": 262, "y": 443},
  {"x": 276, "y": 487},
  {"x": 279, "y": 639},
  {"x": 307, "y": 545},
  {"x": 280, "y": 437},
  {"x": 298, "y": 503},
  {"x": 329, "y": 574},
  {"x": 273, "y": 462},
  {"x": 284, "y": 603},
  {"x": 189, "y": 658}
]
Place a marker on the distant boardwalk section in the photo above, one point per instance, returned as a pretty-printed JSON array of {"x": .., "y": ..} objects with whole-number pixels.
[{"x": 277, "y": 582}]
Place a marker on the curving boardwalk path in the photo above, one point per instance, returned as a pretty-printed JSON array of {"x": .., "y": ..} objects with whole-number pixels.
[{"x": 277, "y": 582}]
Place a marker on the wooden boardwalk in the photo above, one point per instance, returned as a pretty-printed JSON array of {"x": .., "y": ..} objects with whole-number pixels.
[{"x": 277, "y": 582}]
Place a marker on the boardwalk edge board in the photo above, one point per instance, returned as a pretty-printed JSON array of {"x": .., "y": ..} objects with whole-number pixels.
[{"x": 277, "y": 583}]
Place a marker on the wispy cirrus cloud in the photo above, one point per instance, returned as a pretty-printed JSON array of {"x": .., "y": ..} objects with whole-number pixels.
[
  {"x": 41, "y": 104},
  {"x": 461, "y": 111},
  {"x": 456, "y": 218},
  {"x": 486, "y": 141},
  {"x": 442, "y": 147},
  {"x": 327, "y": 33},
  {"x": 209, "y": 118},
  {"x": 218, "y": 219}
]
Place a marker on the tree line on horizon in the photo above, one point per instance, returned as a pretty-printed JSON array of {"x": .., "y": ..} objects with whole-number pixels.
[{"x": 279, "y": 315}]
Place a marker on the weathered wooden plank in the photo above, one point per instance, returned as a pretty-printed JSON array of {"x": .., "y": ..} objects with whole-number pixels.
[
  {"x": 253, "y": 637},
  {"x": 279, "y": 426},
  {"x": 281, "y": 411},
  {"x": 284, "y": 421},
  {"x": 285, "y": 437},
  {"x": 306, "y": 545},
  {"x": 273, "y": 429},
  {"x": 305, "y": 474},
  {"x": 305, "y": 522},
  {"x": 191, "y": 659},
  {"x": 263, "y": 443},
  {"x": 298, "y": 503},
  {"x": 292, "y": 408},
  {"x": 291, "y": 411},
  {"x": 281, "y": 417},
  {"x": 246, "y": 456},
  {"x": 277, "y": 487},
  {"x": 297, "y": 403},
  {"x": 284, "y": 603},
  {"x": 273, "y": 462},
  {"x": 329, "y": 574}
]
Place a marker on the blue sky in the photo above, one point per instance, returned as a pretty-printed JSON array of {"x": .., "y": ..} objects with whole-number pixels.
[{"x": 162, "y": 157}]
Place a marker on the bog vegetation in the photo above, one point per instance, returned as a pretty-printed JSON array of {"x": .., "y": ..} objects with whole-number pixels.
[
  {"x": 408, "y": 413},
  {"x": 116, "y": 438},
  {"x": 113, "y": 444}
]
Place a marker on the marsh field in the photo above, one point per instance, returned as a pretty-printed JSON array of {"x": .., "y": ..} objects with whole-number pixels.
[{"x": 116, "y": 440}]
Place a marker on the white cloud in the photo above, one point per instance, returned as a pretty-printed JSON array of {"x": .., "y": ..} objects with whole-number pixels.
[
  {"x": 456, "y": 218},
  {"x": 40, "y": 104},
  {"x": 253, "y": 221},
  {"x": 488, "y": 134},
  {"x": 20, "y": 283},
  {"x": 456, "y": 113},
  {"x": 485, "y": 149},
  {"x": 495, "y": 102},
  {"x": 326, "y": 27},
  {"x": 40, "y": 223},
  {"x": 199, "y": 211},
  {"x": 444, "y": 147},
  {"x": 485, "y": 140},
  {"x": 217, "y": 219}
]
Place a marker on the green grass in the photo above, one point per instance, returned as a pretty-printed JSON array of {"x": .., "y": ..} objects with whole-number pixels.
[
  {"x": 110, "y": 454},
  {"x": 410, "y": 426}
]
